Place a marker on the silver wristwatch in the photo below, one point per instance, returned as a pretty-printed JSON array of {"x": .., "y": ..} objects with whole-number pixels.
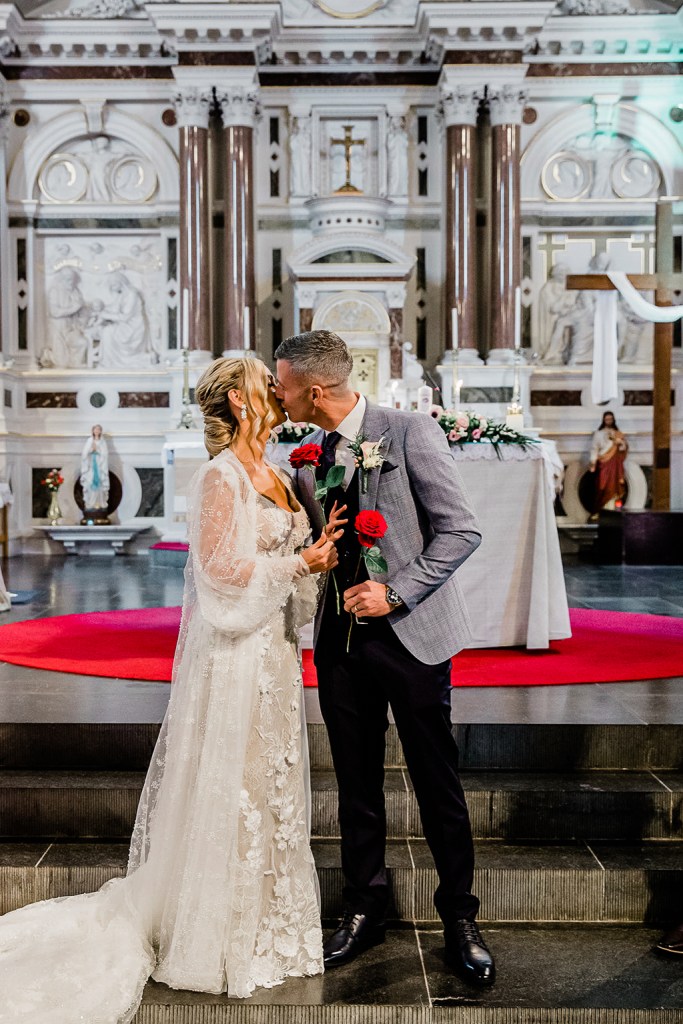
[{"x": 393, "y": 598}]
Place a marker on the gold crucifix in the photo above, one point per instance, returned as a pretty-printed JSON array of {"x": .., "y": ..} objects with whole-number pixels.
[{"x": 348, "y": 143}]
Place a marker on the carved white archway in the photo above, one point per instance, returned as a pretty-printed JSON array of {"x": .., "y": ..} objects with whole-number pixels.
[
  {"x": 66, "y": 128},
  {"x": 629, "y": 121}
]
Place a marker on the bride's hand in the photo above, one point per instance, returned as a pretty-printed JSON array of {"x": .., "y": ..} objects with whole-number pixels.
[
  {"x": 321, "y": 556},
  {"x": 334, "y": 530}
]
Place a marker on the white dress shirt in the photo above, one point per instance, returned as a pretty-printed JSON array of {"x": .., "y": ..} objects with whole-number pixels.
[{"x": 349, "y": 428}]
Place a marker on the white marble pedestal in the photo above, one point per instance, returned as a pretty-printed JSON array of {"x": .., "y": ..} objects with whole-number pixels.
[{"x": 104, "y": 541}]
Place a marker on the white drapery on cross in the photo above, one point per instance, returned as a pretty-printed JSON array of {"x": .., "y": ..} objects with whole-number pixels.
[{"x": 604, "y": 385}]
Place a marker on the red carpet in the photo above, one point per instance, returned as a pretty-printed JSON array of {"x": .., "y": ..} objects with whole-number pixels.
[{"x": 139, "y": 644}]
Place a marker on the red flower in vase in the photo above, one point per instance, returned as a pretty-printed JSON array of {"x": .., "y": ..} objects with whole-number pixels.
[
  {"x": 370, "y": 527},
  {"x": 306, "y": 455}
]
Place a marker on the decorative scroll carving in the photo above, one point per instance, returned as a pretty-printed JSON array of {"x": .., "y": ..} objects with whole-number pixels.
[{"x": 595, "y": 7}]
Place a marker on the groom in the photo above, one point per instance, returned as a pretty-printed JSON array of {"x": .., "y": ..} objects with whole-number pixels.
[{"x": 410, "y": 621}]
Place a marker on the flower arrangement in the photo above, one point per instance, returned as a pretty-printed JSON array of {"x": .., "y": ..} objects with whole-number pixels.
[
  {"x": 53, "y": 481},
  {"x": 467, "y": 427},
  {"x": 367, "y": 455},
  {"x": 292, "y": 433}
]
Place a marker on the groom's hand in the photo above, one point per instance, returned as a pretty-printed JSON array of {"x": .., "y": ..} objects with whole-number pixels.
[{"x": 369, "y": 600}]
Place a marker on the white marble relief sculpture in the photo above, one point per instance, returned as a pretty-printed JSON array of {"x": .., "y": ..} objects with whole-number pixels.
[
  {"x": 635, "y": 335},
  {"x": 98, "y": 170},
  {"x": 350, "y": 315},
  {"x": 601, "y": 166},
  {"x": 576, "y": 344},
  {"x": 397, "y": 156},
  {"x": 68, "y": 317},
  {"x": 122, "y": 325},
  {"x": 300, "y": 156},
  {"x": 554, "y": 301},
  {"x": 104, "y": 304}
]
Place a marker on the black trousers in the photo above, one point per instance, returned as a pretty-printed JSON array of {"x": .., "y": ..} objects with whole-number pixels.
[{"x": 356, "y": 690}]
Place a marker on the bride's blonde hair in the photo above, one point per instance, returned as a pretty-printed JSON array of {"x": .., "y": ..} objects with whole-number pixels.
[{"x": 221, "y": 426}]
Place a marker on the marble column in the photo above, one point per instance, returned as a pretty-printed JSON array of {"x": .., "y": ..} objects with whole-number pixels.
[
  {"x": 506, "y": 106},
  {"x": 192, "y": 105},
  {"x": 459, "y": 107},
  {"x": 239, "y": 108},
  {"x": 6, "y": 287}
]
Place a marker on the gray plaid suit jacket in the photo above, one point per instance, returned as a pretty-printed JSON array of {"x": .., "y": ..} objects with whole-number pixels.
[{"x": 432, "y": 529}]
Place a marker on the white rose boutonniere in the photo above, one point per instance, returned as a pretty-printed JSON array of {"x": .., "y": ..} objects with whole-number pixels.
[{"x": 368, "y": 456}]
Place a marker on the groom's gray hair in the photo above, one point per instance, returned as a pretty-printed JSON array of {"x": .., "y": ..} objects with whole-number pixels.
[{"x": 317, "y": 356}]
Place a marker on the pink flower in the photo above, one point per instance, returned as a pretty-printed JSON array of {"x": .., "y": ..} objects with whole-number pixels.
[
  {"x": 455, "y": 435},
  {"x": 436, "y": 411},
  {"x": 278, "y": 429},
  {"x": 462, "y": 420},
  {"x": 476, "y": 434}
]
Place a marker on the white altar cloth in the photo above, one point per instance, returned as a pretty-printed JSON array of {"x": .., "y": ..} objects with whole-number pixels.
[{"x": 513, "y": 583}]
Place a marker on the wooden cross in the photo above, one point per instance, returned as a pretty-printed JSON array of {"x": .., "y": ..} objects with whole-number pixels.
[
  {"x": 348, "y": 143},
  {"x": 664, "y": 283}
]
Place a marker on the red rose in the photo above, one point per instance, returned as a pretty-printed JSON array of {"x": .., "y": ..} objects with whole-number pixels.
[
  {"x": 370, "y": 527},
  {"x": 306, "y": 455}
]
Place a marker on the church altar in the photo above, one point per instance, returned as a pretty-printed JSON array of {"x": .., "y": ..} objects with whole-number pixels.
[{"x": 513, "y": 583}]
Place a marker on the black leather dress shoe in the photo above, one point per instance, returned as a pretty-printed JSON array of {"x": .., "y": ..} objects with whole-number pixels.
[
  {"x": 671, "y": 942},
  {"x": 356, "y": 933},
  {"x": 469, "y": 954}
]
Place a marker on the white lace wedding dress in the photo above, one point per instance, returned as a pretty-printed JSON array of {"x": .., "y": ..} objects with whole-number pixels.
[{"x": 221, "y": 892}]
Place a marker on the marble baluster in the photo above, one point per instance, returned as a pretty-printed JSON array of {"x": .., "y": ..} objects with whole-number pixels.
[
  {"x": 239, "y": 108},
  {"x": 193, "y": 105},
  {"x": 459, "y": 108},
  {"x": 506, "y": 106}
]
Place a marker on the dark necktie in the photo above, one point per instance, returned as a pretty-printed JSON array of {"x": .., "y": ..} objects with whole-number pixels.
[{"x": 329, "y": 454}]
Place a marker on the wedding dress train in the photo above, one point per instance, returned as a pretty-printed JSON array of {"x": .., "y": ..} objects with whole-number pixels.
[{"x": 221, "y": 892}]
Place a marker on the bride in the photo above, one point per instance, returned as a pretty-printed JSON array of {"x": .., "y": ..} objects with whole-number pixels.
[{"x": 221, "y": 892}]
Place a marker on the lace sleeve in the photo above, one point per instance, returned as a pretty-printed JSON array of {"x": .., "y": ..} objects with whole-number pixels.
[{"x": 237, "y": 588}]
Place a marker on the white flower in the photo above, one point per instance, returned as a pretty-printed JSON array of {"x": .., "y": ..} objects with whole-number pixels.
[{"x": 372, "y": 455}]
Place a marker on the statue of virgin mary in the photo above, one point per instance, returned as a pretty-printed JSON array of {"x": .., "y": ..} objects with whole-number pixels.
[{"x": 95, "y": 472}]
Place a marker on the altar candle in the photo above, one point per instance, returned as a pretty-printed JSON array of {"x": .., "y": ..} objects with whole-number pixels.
[
  {"x": 454, "y": 328},
  {"x": 425, "y": 399},
  {"x": 515, "y": 421},
  {"x": 518, "y": 317},
  {"x": 185, "y": 332},
  {"x": 247, "y": 330}
]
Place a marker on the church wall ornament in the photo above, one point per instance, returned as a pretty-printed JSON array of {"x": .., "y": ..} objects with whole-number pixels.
[{"x": 192, "y": 105}]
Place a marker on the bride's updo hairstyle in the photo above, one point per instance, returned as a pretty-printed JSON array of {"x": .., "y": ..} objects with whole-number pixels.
[{"x": 248, "y": 376}]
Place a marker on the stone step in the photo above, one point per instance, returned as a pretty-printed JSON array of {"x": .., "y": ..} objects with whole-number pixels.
[
  {"x": 128, "y": 746},
  {"x": 532, "y": 882},
  {"x": 594, "y": 805},
  {"x": 546, "y": 975}
]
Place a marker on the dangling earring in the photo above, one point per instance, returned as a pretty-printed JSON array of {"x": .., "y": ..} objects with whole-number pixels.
[{"x": 243, "y": 414}]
